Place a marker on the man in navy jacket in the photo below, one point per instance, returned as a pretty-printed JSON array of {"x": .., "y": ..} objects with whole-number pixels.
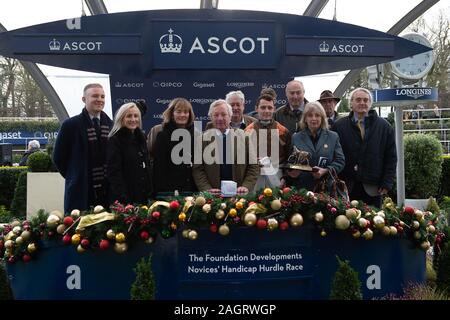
[
  {"x": 80, "y": 153},
  {"x": 368, "y": 142}
]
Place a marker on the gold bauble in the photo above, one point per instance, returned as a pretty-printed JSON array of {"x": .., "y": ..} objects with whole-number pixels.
[
  {"x": 26, "y": 235},
  {"x": 386, "y": 230},
  {"x": 351, "y": 213},
  {"x": 98, "y": 209},
  {"x": 110, "y": 234},
  {"x": 342, "y": 222},
  {"x": 267, "y": 192},
  {"x": 224, "y": 230},
  {"x": 220, "y": 214},
  {"x": 60, "y": 229},
  {"x": 182, "y": 216},
  {"x": 76, "y": 239},
  {"x": 200, "y": 201},
  {"x": 58, "y": 214},
  {"x": 416, "y": 224},
  {"x": 368, "y": 234},
  {"x": 150, "y": 240},
  {"x": 419, "y": 214},
  {"x": 15, "y": 223},
  {"x": 80, "y": 249},
  {"x": 17, "y": 230},
  {"x": 53, "y": 221},
  {"x": 417, "y": 235},
  {"x": 223, "y": 206},
  {"x": 275, "y": 205},
  {"x": 323, "y": 233},
  {"x": 250, "y": 219},
  {"x": 362, "y": 222},
  {"x": 393, "y": 230},
  {"x": 425, "y": 245},
  {"x": 75, "y": 214},
  {"x": 272, "y": 224},
  {"x": 10, "y": 236},
  {"x": 189, "y": 199},
  {"x": 356, "y": 234},
  {"x": 31, "y": 247},
  {"x": 296, "y": 220},
  {"x": 9, "y": 244},
  {"x": 206, "y": 208},
  {"x": 232, "y": 212},
  {"x": 120, "y": 237},
  {"x": 378, "y": 222},
  {"x": 239, "y": 205},
  {"x": 19, "y": 240},
  {"x": 121, "y": 247},
  {"x": 431, "y": 229},
  {"x": 193, "y": 235},
  {"x": 185, "y": 233},
  {"x": 354, "y": 203},
  {"x": 318, "y": 216}
]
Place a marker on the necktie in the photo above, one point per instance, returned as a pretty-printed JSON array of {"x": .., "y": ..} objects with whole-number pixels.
[
  {"x": 97, "y": 126},
  {"x": 361, "y": 127},
  {"x": 297, "y": 112}
]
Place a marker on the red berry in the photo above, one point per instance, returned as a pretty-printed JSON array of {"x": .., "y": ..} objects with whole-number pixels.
[
  {"x": 286, "y": 190},
  {"x": 26, "y": 258},
  {"x": 261, "y": 223},
  {"x": 174, "y": 205},
  {"x": 68, "y": 221},
  {"x": 104, "y": 244},
  {"x": 144, "y": 235},
  {"x": 213, "y": 228},
  {"x": 85, "y": 243},
  {"x": 67, "y": 239},
  {"x": 156, "y": 214},
  {"x": 284, "y": 225}
]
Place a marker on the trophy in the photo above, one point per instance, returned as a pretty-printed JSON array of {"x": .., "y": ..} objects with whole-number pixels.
[{"x": 299, "y": 160}]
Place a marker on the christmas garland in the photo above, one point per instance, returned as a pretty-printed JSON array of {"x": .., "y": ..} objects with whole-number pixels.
[{"x": 271, "y": 210}]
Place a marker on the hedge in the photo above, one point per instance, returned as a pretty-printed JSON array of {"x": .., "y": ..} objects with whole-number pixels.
[
  {"x": 445, "y": 178},
  {"x": 8, "y": 181},
  {"x": 45, "y": 126}
]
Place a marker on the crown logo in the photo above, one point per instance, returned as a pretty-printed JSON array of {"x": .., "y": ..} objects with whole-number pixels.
[
  {"x": 118, "y": 84},
  {"x": 170, "y": 43},
  {"x": 54, "y": 45},
  {"x": 324, "y": 47}
]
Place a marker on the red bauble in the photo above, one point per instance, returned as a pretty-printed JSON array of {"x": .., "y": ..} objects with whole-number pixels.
[
  {"x": 50, "y": 234},
  {"x": 213, "y": 228},
  {"x": 174, "y": 205},
  {"x": 26, "y": 258},
  {"x": 156, "y": 214},
  {"x": 67, "y": 239},
  {"x": 68, "y": 221},
  {"x": 11, "y": 260},
  {"x": 284, "y": 225},
  {"x": 104, "y": 244},
  {"x": 261, "y": 223},
  {"x": 85, "y": 243},
  {"x": 409, "y": 210},
  {"x": 144, "y": 235}
]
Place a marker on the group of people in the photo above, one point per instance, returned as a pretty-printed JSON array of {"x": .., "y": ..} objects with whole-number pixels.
[{"x": 104, "y": 161}]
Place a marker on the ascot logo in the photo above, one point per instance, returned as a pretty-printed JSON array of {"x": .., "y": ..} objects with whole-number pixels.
[
  {"x": 324, "y": 47},
  {"x": 170, "y": 43},
  {"x": 54, "y": 45}
]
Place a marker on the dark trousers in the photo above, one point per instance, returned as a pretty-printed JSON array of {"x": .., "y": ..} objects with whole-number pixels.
[{"x": 358, "y": 193}]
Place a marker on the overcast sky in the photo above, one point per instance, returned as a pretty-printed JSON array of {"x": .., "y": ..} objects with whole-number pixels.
[{"x": 379, "y": 15}]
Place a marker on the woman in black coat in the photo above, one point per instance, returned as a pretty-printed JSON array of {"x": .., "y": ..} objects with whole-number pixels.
[
  {"x": 128, "y": 167},
  {"x": 170, "y": 174}
]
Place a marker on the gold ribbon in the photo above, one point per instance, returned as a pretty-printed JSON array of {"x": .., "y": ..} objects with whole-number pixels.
[
  {"x": 91, "y": 219},
  {"x": 158, "y": 203},
  {"x": 255, "y": 208}
]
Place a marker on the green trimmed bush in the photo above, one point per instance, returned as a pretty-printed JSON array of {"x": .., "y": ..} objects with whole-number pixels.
[
  {"x": 8, "y": 180},
  {"x": 43, "y": 126},
  {"x": 346, "y": 284},
  {"x": 143, "y": 288},
  {"x": 39, "y": 162},
  {"x": 423, "y": 165},
  {"x": 5, "y": 215},
  {"x": 5, "y": 289},
  {"x": 19, "y": 202}
]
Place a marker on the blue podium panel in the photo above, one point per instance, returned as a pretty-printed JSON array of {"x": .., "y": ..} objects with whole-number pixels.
[{"x": 247, "y": 264}]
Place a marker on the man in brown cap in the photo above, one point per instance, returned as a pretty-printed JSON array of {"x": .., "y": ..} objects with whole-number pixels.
[{"x": 329, "y": 102}]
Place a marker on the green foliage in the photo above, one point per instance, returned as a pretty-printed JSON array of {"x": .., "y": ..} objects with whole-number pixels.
[
  {"x": 5, "y": 215},
  {"x": 419, "y": 291},
  {"x": 5, "y": 289},
  {"x": 8, "y": 180},
  {"x": 19, "y": 202},
  {"x": 33, "y": 126},
  {"x": 445, "y": 205},
  {"x": 443, "y": 270},
  {"x": 391, "y": 118},
  {"x": 143, "y": 288},
  {"x": 346, "y": 284},
  {"x": 343, "y": 106},
  {"x": 445, "y": 181},
  {"x": 39, "y": 162},
  {"x": 423, "y": 165}
]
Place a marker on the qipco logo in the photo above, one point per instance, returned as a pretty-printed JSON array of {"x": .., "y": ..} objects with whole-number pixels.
[{"x": 157, "y": 84}]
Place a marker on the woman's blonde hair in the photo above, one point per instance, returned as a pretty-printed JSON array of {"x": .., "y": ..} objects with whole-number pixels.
[
  {"x": 178, "y": 103},
  {"x": 314, "y": 106},
  {"x": 120, "y": 115}
]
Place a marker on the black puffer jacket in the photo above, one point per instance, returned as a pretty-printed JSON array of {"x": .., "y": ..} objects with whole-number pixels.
[
  {"x": 128, "y": 167},
  {"x": 375, "y": 158}
]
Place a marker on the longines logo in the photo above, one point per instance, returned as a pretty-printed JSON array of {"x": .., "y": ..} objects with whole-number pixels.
[
  {"x": 170, "y": 43},
  {"x": 55, "y": 45},
  {"x": 324, "y": 47},
  {"x": 173, "y": 43},
  {"x": 240, "y": 85},
  {"x": 119, "y": 84},
  {"x": 414, "y": 93},
  {"x": 126, "y": 100},
  {"x": 157, "y": 84}
]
